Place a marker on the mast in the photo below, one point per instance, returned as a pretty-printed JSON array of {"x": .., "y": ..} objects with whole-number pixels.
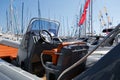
[
  {"x": 22, "y": 17},
  {"x": 99, "y": 17},
  {"x": 7, "y": 21},
  {"x": 91, "y": 17},
  {"x": 61, "y": 30},
  {"x": 63, "y": 27},
  {"x": 68, "y": 28},
  {"x": 89, "y": 21},
  {"x": 11, "y": 16},
  {"x": 77, "y": 30},
  {"x": 78, "y": 21},
  {"x": 39, "y": 12},
  {"x": 85, "y": 23}
]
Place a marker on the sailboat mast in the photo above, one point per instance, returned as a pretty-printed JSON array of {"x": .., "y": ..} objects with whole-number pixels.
[
  {"x": 85, "y": 24},
  {"x": 7, "y": 21},
  {"x": 39, "y": 12},
  {"x": 91, "y": 17},
  {"x": 77, "y": 22},
  {"x": 11, "y": 16},
  {"x": 89, "y": 21},
  {"x": 22, "y": 17},
  {"x": 68, "y": 31},
  {"x": 63, "y": 27}
]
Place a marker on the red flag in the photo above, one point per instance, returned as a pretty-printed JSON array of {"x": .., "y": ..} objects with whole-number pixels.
[
  {"x": 83, "y": 17},
  {"x": 86, "y": 4}
]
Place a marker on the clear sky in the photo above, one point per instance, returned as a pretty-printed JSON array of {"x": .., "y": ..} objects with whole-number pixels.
[{"x": 61, "y": 10}]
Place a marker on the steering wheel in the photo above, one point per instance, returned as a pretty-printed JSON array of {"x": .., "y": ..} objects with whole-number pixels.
[{"x": 46, "y": 36}]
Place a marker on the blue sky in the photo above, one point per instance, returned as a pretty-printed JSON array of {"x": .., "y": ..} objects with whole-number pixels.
[{"x": 61, "y": 10}]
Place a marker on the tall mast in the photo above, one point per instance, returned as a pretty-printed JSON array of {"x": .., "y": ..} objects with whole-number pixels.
[
  {"x": 22, "y": 17},
  {"x": 91, "y": 17},
  {"x": 85, "y": 23},
  {"x": 89, "y": 20},
  {"x": 7, "y": 21},
  {"x": 99, "y": 17},
  {"x": 39, "y": 12},
  {"x": 63, "y": 27},
  {"x": 11, "y": 16},
  {"x": 77, "y": 22},
  {"x": 61, "y": 30},
  {"x": 68, "y": 28}
]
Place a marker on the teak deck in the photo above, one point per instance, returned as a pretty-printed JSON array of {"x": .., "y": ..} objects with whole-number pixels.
[{"x": 7, "y": 51}]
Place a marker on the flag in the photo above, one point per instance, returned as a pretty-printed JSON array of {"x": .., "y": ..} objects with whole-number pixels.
[
  {"x": 86, "y": 4},
  {"x": 83, "y": 17}
]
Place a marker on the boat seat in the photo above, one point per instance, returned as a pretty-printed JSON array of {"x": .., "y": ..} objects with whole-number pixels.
[
  {"x": 65, "y": 55},
  {"x": 54, "y": 52}
]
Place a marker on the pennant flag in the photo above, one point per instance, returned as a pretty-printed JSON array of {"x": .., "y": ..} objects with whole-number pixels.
[{"x": 83, "y": 17}]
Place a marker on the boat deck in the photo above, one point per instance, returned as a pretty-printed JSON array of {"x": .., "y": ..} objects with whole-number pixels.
[
  {"x": 10, "y": 72},
  {"x": 7, "y": 51}
]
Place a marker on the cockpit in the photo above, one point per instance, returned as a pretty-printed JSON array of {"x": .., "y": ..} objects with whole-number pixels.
[{"x": 41, "y": 35}]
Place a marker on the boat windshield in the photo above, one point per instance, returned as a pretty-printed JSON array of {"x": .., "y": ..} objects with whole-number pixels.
[{"x": 44, "y": 24}]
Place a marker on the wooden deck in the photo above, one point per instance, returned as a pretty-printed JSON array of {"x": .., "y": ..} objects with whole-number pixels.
[{"x": 7, "y": 51}]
